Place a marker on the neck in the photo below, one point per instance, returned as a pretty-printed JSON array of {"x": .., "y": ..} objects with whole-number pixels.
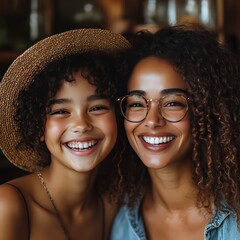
[
  {"x": 85, "y": 206},
  {"x": 172, "y": 189},
  {"x": 78, "y": 188}
]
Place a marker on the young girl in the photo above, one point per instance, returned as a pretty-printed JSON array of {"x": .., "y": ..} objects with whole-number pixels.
[
  {"x": 58, "y": 121},
  {"x": 182, "y": 112}
]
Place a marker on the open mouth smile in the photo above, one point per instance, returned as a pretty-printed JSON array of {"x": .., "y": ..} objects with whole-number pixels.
[
  {"x": 80, "y": 146},
  {"x": 158, "y": 140}
]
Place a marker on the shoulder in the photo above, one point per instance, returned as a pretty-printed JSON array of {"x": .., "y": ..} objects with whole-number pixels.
[
  {"x": 224, "y": 225},
  {"x": 13, "y": 217},
  {"x": 10, "y": 194},
  {"x": 127, "y": 225}
]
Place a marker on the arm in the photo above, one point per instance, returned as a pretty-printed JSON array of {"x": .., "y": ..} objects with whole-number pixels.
[{"x": 13, "y": 214}]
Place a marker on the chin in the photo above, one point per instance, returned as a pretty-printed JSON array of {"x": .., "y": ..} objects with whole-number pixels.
[{"x": 153, "y": 162}]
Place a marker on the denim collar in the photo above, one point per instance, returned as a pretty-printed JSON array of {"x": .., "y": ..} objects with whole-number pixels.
[
  {"x": 135, "y": 217},
  {"x": 220, "y": 217},
  {"x": 136, "y": 221}
]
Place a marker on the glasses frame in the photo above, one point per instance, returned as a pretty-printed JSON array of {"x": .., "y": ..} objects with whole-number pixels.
[{"x": 120, "y": 100}]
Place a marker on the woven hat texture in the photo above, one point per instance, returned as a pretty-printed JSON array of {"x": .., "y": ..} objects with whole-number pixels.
[{"x": 25, "y": 67}]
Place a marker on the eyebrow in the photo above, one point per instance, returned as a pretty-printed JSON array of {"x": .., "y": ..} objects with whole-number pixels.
[
  {"x": 163, "y": 92},
  {"x": 54, "y": 101},
  {"x": 97, "y": 97}
]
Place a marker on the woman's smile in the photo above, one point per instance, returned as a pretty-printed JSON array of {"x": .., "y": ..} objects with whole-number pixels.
[{"x": 155, "y": 139}]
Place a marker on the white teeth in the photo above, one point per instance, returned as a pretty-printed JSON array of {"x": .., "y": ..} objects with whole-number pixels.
[
  {"x": 158, "y": 140},
  {"x": 152, "y": 140},
  {"x": 81, "y": 145}
]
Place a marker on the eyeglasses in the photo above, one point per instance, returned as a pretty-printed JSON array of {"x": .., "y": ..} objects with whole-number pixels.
[{"x": 172, "y": 107}]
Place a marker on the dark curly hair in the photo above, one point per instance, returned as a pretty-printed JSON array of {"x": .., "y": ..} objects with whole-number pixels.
[
  {"x": 212, "y": 76},
  {"x": 32, "y": 106}
]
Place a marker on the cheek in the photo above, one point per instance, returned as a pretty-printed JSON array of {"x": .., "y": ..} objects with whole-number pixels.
[
  {"x": 129, "y": 128},
  {"x": 184, "y": 129},
  {"x": 185, "y": 126},
  {"x": 54, "y": 128}
]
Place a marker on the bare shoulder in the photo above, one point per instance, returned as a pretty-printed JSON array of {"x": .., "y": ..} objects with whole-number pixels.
[
  {"x": 9, "y": 195},
  {"x": 13, "y": 217}
]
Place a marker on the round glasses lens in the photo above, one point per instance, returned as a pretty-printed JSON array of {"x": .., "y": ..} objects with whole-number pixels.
[
  {"x": 134, "y": 108},
  {"x": 173, "y": 107}
]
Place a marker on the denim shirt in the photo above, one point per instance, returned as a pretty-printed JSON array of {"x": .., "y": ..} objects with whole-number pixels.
[{"x": 128, "y": 225}]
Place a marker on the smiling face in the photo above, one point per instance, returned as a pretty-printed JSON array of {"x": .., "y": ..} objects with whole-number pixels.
[
  {"x": 81, "y": 128},
  {"x": 157, "y": 142}
]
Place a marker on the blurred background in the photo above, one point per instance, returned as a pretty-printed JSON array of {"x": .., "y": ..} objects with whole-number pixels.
[{"x": 24, "y": 22}]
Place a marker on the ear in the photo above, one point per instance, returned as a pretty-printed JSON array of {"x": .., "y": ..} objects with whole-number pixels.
[{"x": 42, "y": 138}]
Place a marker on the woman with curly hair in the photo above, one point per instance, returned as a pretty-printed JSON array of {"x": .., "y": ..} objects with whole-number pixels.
[
  {"x": 58, "y": 121},
  {"x": 181, "y": 113}
]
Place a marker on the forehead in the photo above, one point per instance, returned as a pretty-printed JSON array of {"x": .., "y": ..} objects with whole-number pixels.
[
  {"x": 155, "y": 74},
  {"x": 78, "y": 88}
]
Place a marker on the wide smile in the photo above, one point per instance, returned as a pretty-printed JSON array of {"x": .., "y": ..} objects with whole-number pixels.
[
  {"x": 82, "y": 146},
  {"x": 157, "y": 140}
]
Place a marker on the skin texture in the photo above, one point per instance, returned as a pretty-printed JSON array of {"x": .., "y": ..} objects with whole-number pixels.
[
  {"x": 213, "y": 87},
  {"x": 152, "y": 76},
  {"x": 77, "y": 121},
  {"x": 171, "y": 199},
  {"x": 76, "y": 115}
]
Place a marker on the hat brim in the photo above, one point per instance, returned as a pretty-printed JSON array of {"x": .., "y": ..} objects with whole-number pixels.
[{"x": 23, "y": 70}]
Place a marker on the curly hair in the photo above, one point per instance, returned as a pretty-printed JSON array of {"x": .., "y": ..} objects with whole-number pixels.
[
  {"x": 32, "y": 106},
  {"x": 212, "y": 76}
]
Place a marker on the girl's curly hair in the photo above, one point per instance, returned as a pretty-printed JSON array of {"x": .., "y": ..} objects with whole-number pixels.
[
  {"x": 211, "y": 73},
  {"x": 32, "y": 106}
]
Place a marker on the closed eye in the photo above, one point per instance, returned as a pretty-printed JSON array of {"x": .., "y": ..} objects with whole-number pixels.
[
  {"x": 134, "y": 102},
  {"x": 59, "y": 112},
  {"x": 135, "y": 105},
  {"x": 99, "y": 108},
  {"x": 175, "y": 105}
]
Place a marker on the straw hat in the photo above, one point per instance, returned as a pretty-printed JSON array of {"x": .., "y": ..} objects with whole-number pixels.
[{"x": 23, "y": 70}]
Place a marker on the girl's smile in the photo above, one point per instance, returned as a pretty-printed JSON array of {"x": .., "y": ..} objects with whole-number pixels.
[{"x": 80, "y": 129}]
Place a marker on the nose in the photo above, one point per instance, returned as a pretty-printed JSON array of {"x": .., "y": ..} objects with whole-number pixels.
[
  {"x": 154, "y": 118},
  {"x": 81, "y": 124}
]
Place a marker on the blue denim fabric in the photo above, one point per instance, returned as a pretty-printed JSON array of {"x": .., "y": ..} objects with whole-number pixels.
[{"x": 128, "y": 225}]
